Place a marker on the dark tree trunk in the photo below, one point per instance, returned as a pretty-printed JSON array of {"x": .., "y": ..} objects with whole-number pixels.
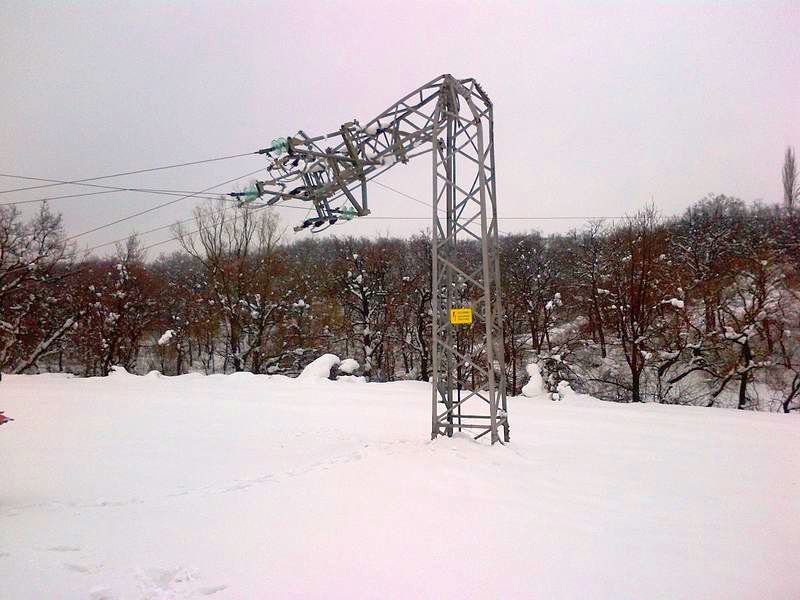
[
  {"x": 793, "y": 392},
  {"x": 636, "y": 374},
  {"x": 710, "y": 317},
  {"x": 746, "y": 357},
  {"x": 601, "y": 336},
  {"x": 768, "y": 335},
  {"x": 236, "y": 359},
  {"x": 636, "y": 394}
]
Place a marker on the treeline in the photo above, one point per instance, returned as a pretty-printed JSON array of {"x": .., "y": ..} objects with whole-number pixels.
[{"x": 702, "y": 309}]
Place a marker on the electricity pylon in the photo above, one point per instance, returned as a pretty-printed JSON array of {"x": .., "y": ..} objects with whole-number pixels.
[{"x": 453, "y": 120}]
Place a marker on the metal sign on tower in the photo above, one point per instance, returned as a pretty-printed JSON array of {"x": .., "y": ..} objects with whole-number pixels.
[{"x": 451, "y": 119}]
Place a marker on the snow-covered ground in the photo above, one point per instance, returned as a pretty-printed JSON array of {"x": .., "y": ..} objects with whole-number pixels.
[{"x": 250, "y": 487}]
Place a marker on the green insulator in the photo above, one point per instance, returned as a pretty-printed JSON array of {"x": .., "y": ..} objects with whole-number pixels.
[
  {"x": 248, "y": 195},
  {"x": 280, "y": 145},
  {"x": 347, "y": 214}
]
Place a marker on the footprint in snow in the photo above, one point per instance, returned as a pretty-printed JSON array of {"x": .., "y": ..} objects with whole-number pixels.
[
  {"x": 64, "y": 549},
  {"x": 101, "y": 593},
  {"x": 166, "y": 579},
  {"x": 76, "y": 568},
  {"x": 212, "y": 589}
]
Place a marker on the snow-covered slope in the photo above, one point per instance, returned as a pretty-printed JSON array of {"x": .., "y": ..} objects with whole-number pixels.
[{"x": 249, "y": 487}]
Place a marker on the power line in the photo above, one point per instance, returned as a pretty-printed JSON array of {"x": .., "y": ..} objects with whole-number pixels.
[
  {"x": 417, "y": 200},
  {"x": 149, "y": 231},
  {"x": 189, "y": 233},
  {"x": 385, "y": 218},
  {"x": 159, "y": 206},
  {"x": 335, "y": 197},
  {"x": 93, "y": 185},
  {"x": 182, "y": 222},
  {"x": 376, "y": 217},
  {"x": 422, "y": 202},
  {"x": 389, "y": 218},
  {"x": 59, "y": 197},
  {"x": 199, "y": 229},
  {"x": 256, "y": 207},
  {"x": 565, "y": 218},
  {"x": 106, "y": 190},
  {"x": 136, "y": 172},
  {"x": 550, "y": 218}
]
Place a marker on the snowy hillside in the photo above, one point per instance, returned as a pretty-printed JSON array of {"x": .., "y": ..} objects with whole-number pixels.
[{"x": 248, "y": 487}]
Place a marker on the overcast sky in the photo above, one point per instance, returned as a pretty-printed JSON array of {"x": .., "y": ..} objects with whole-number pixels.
[{"x": 599, "y": 107}]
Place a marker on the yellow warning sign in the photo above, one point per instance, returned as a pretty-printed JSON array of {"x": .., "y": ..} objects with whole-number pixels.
[{"x": 461, "y": 316}]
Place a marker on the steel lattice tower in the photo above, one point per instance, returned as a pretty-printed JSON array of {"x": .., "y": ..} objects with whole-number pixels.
[
  {"x": 451, "y": 118},
  {"x": 465, "y": 209}
]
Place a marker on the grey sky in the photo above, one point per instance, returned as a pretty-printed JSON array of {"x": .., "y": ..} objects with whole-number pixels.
[{"x": 598, "y": 107}]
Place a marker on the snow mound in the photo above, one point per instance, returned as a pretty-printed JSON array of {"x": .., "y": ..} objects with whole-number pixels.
[
  {"x": 193, "y": 375},
  {"x": 535, "y": 386},
  {"x": 677, "y": 303},
  {"x": 119, "y": 371},
  {"x": 565, "y": 391},
  {"x": 241, "y": 375},
  {"x": 166, "y": 338},
  {"x": 348, "y": 366},
  {"x": 320, "y": 368}
]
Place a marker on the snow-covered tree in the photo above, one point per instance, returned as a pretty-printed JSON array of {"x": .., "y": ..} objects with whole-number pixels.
[
  {"x": 637, "y": 287},
  {"x": 704, "y": 243},
  {"x": 35, "y": 260},
  {"x": 412, "y": 323},
  {"x": 588, "y": 268},
  {"x": 360, "y": 284},
  {"x": 118, "y": 298},
  {"x": 745, "y": 318},
  {"x": 186, "y": 312}
]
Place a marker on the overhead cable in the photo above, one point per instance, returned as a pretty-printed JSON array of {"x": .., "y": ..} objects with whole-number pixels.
[
  {"x": 159, "y": 206},
  {"x": 136, "y": 172}
]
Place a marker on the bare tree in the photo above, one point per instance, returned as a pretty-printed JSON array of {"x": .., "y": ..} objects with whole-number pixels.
[
  {"x": 239, "y": 252},
  {"x": 791, "y": 187}
]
